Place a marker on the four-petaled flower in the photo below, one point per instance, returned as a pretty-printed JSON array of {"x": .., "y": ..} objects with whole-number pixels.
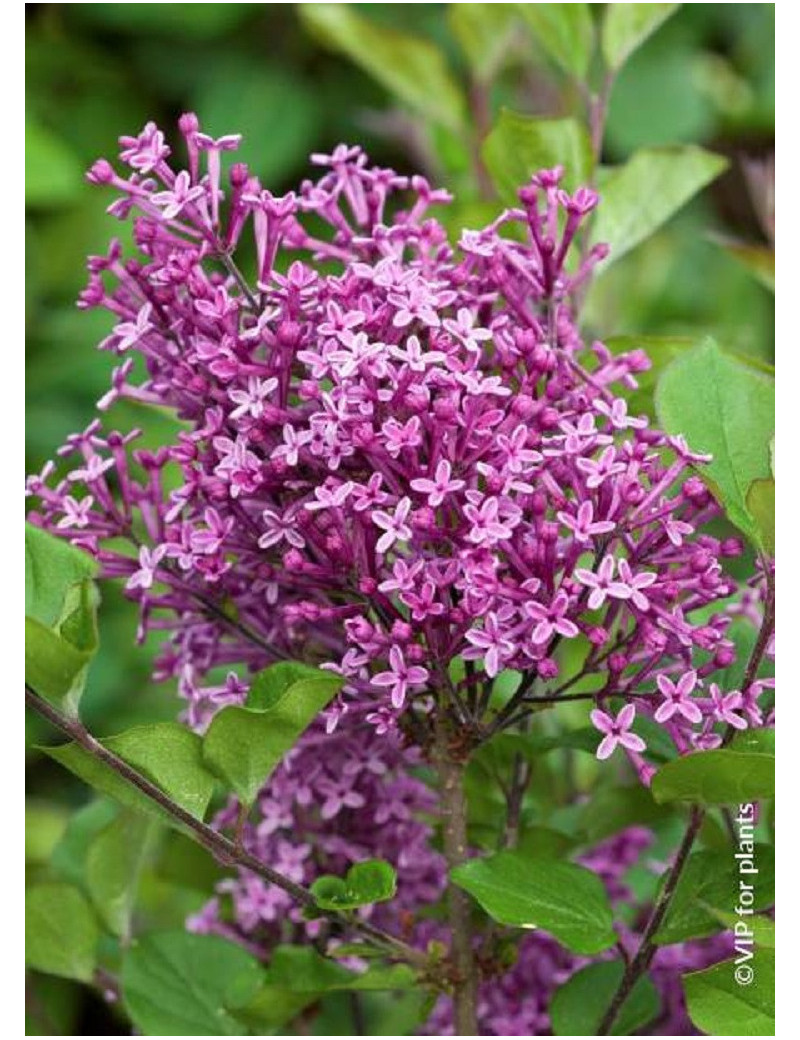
[
  {"x": 181, "y": 195},
  {"x": 725, "y": 705},
  {"x": 393, "y": 524},
  {"x": 616, "y": 731},
  {"x": 677, "y": 698},
  {"x": 551, "y": 619},
  {"x": 148, "y": 563},
  {"x": 583, "y": 525},
  {"x": 401, "y": 677},
  {"x": 489, "y": 643},
  {"x": 441, "y": 486}
]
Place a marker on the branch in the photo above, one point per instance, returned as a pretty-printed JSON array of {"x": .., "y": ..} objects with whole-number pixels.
[
  {"x": 647, "y": 948},
  {"x": 214, "y": 842}
]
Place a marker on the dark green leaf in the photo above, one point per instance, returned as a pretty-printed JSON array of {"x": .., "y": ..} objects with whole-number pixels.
[
  {"x": 61, "y": 933},
  {"x": 181, "y": 984},
  {"x": 371, "y": 881},
  {"x": 69, "y": 855},
  {"x": 726, "y": 407},
  {"x": 627, "y": 26},
  {"x": 565, "y": 31},
  {"x": 720, "y": 1004},
  {"x": 243, "y": 746},
  {"x": 519, "y": 146},
  {"x": 637, "y": 198},
  {"x": 411, "y": 68},
  {"x": 579, "y": 1005},
  {"x": 561, "y": 898},
  {"x": 184, "y": 21},
  {"x": 719, "y": 777}
]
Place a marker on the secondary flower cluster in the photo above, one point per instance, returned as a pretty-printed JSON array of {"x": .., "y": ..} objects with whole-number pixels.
[{"x": 391, "y": 455}]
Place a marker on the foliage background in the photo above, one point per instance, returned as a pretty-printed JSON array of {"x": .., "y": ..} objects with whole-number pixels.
[{"x": 95, "y": 71}]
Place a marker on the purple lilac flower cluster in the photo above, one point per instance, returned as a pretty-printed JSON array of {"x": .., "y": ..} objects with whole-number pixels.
[{"x": 395, "y": 454}]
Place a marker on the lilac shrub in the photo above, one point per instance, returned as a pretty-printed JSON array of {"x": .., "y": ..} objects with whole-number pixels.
[{"x": 398, "y": 460}]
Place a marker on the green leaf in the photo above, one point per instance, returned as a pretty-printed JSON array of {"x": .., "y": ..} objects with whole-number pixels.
[
  {"x": 719, "y": 777},
  {"x": 243, "y": 746},
  {"x": 298, "y": 976},
  {"x": 519, "y": 146},
  {"x": 114, "y": 862},
  {"x": 564, "y": 899},
  {"x": 52, "y": 566},
  {"x": 758, "y": 260},
  {"x": 483, "y": 32},
  {"x": 371, "y": 881},
  {"x": 181, "y": 21},
  {"x": 579, "y": 1005},
  {"x": 726, "y": 407},
  {"x": 181, "y": 984},
  {"x": 270, "y": 684},
  {"x": 53, "y": 173},
  {"x": 720, "y": 1005},
  {"x": 409, "y": 67},
  {"x": 61, "y": 933},
  {"x": 760, "y": 503},
  {"x": 69, "y": 856},
  {"x": 53, "y": 666},
  {"x": 565, "y": 31},
  {"x": 627, "y": 26},
  {"x": 637, "y": 198},
  {"x": 166, "y": 752},
  {"x": 710, "y": 883}
]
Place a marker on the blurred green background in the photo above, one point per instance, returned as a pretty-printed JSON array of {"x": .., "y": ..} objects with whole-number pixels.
[{"x": 95, "y": 71}]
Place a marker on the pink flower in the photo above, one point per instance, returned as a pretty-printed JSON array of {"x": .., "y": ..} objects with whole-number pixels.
[
  {"x": 616, "y": 731},
  {"x": 401, "y": 677},
  {"x": 677, "y": 698}
]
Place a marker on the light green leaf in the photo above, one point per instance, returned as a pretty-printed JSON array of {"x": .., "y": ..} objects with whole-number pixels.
[
  {"x": 69, "y": 856},
  {"x": 627, "y": 26},
  {"x": 719, "y": 777},
  {"x": 61, "y": 933},
  {"x": 761, "y": 928},
  {"x": 519, "y": 146},
  {"x": 483, "y": 32},
  {"x": 561, "y": 898},
  {"x": 411, "y": 68},
  {"x": 579, "y": 1005},
  {"x": 114, "y": 862},
  {"x": 52, "y": 566},
  {"x": 53, "y": 666},
  {"x": 565, "y": 31},
  {"x": 637, "y": 198},
  {"x": 760, "y": 503},
  {"x": 371, "y": 881},
  {"x": 166, "y": 752},
  {"x": 270, "y": 684},
  {"x": 726, "y": 407},
  {"x": 243, "y": 746},
  {"x": 721, "y": 1005},
  {"x": 181, "y": 984}
]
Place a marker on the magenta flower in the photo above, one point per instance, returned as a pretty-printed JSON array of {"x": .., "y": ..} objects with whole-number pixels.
[
  {"x": 583, "y": 525},
  {"x": 144, "y": 577},
  {"x": 602, "y": 583},
  {"x": 616, "y": 731}
]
